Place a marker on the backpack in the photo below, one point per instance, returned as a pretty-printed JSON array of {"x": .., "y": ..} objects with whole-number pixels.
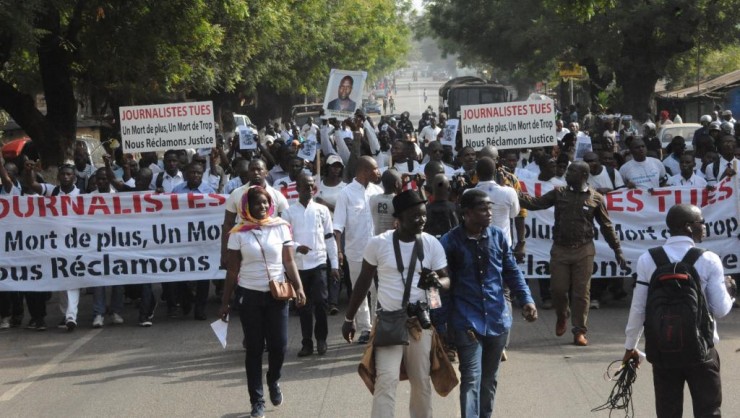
[{"x": 678, "y": 326}]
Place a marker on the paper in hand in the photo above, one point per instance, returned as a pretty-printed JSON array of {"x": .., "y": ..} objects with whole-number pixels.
[{"x": 221, "y": 328}]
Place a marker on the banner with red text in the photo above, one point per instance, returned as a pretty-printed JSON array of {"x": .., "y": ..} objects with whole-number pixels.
[
  {"x": 70, "y": 242},
  {"x": 638, "y": 218}
]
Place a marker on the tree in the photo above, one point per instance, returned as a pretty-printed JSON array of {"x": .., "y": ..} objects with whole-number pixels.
[
  {"x": 633, "y": 40},
  {"x": 122, "y": 52}
]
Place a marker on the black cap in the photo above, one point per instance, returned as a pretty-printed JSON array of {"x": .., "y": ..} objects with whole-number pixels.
[{"x": 406, "y": 200}]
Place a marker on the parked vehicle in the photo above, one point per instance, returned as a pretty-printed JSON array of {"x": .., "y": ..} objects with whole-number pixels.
[
  {"x": 371, "y": 106},
  {"x": 463, "y": 91},
  {"x": 685, "y": 130}
]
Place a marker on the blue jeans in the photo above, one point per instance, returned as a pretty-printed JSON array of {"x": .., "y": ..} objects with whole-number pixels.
[
  {"x": 116, "y": 300},
  {"x": 479, "y": 360},
  {"x": 262, "y": 317}
]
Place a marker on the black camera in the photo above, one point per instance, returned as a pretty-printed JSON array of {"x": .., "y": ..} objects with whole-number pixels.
[
  {"x": 420, "y": 310},
  {"x": 428, "y": 279},
  {"x": 460, "y": 183}
]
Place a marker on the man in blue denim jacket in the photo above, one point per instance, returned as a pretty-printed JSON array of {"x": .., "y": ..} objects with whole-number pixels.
[{"x": 479, "y": 261}]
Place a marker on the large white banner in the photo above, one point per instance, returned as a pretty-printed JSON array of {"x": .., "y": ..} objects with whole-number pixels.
[
  {"x": 167, "y": 126},
  {"x": 638, "y": 218},
  {"x": 63, "y": 242},
  {"x": 509, "y": 125}
]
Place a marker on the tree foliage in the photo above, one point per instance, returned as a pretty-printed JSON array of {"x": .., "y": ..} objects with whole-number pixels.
[
  {"x": 631, "y": 41},
  {"x": 122, "y": 52}
]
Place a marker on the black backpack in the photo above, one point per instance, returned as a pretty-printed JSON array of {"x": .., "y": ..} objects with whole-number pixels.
[{"x": 678, "y": 326}]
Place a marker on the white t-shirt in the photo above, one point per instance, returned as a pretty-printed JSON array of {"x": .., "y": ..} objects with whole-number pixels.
[
  {"x": 329, "y": 193},
  {"x": 602, "y": 180},
  {"x": 672, "y": 166},
  {"x": 644, "y": 174},
  {"x": 430, "y": 134},
  {"x": 252, "y": 272},
  {"x": 232, "y": 203},
  {"x": 379, "y": 252},
  {"x": 505, "y": 205}
]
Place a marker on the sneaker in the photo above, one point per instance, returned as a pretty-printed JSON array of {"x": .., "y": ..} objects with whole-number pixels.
[
  {"x": 117, "y": 319},
  {"x": 276, "y": 395},
  {"x": 62, "y": 324},
  {"x": 5, "y": 323},
  {"x": 98, "y": 321},
  {"x": 145, "y": 321},
  {"x": 364, "y": 337},
  {"x": 70, "y": 324},
  {"x": 546, "y": 304},
  {"x": 40, "y": 325},
  {"x": 258, "y": 410},
  {"x": 333, "y": 310},
  {"x": 595, "y": 304}
]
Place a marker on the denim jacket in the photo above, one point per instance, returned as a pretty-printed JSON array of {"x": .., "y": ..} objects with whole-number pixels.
[{"x": 477, "y": 270}]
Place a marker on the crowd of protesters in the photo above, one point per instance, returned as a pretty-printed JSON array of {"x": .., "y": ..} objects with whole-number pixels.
[{"x": 338, "y": 202}]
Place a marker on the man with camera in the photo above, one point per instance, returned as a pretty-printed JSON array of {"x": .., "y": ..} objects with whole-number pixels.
[
  {"x": 399, "y": 256},
  {"x": 481, "y": 261}
]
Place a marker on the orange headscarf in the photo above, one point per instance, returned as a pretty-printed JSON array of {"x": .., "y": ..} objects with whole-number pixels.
[{"x": 248, "y": 222}]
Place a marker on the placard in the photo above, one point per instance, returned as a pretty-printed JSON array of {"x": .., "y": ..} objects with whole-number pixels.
[{"x": 167, "y": 126}]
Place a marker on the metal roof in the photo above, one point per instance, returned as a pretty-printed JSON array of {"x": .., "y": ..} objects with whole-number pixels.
[{"x": 704, "y": 88}]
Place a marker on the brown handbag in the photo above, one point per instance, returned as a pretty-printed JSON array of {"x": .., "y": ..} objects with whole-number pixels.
[{"x": 279, "y": 290}]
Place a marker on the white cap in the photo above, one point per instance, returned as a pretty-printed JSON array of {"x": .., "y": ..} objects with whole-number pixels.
[{"x": 333, "y": 159}]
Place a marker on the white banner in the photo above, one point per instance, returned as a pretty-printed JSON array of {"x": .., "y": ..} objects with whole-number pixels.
[
  {"x": 64, "y": 242},
  {"x": 167, "y": 126},
  {"x": 509, "y": 125},
  {"x": 638, "y": 218}
]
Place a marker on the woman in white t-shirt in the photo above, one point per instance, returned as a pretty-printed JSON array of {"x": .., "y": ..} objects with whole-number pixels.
[{"x": 261, "y": 249}]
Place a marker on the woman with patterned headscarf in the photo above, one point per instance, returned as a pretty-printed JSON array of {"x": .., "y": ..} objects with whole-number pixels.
[{"x": 260, "y": 250}]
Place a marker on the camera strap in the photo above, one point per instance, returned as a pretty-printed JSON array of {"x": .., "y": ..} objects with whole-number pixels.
[{"x": 412, "y": 265}]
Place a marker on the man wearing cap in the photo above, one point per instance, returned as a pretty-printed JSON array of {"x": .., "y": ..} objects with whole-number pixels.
[
  {"x": 384, "y": 255},
  {"x": 481, "y": 262}
]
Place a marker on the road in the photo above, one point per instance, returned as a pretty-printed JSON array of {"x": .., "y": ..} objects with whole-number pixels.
[
  {"x": 412, "y": 100},
  {"x": 177, "y": 368}
]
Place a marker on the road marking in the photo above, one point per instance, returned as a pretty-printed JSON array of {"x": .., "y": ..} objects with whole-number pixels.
[{"x": 51, "y": 364}]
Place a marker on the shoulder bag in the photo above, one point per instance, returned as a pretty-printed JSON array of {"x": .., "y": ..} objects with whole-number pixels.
[
  {"x": 390, "y": 327},
  {"x": 279, "y": 290}
]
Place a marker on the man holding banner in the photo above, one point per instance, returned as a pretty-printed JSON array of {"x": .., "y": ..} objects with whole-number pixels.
[{"x": 572, "y": 254}]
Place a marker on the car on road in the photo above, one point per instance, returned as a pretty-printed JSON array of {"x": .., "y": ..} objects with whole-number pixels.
[
  {"x": 371, "y": 106},
  {"x": 379, "y": 93},
  {"x": 300, "y": 113},
  {"x": 685, "y": 130},
  {"x": 440, "y": 76}
]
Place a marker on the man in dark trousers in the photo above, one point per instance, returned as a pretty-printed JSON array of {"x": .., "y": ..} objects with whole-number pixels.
[
  {"x": 686, "y": 225},
  {"x": 572, "y": 254}
]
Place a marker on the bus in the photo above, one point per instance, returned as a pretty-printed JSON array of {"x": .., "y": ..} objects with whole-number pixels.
[{"x": 463, "y": 91}]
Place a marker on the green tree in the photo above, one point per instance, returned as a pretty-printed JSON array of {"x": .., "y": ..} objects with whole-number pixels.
[
  {"x": 631, "y": 40},
  {"x": 122, "y": 52}
]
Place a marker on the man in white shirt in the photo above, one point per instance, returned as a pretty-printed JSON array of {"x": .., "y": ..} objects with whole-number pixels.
[
  {"x": 727, "y": 164},
  {"x": 687, "y": 228},
  {"x": 166, "y": 180},
  {"x": 70, "y": 299},
  {"x": 602, "y": 178},
  {"x": 9, "y": 179},
  {"x": 430, "y": 132},
  {"x": 436, "y": 151},
  {"x": 385, "y": 255},
  {"x": 352, "y": 218},
  {"x": 309, "y": 128},
  {"x": 560, "y": 131},
  {"x": 313, "y": 239},
  {"x": 677, "y": 147},
  {"x": 402, "y": 153},
  {"x": 687, "y": 176},
  {"x": 642, "y": 172},
  {"x": 504, "y": 199}
]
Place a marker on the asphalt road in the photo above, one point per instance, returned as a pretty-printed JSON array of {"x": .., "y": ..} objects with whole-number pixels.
[{"x": 177, "y": 368}]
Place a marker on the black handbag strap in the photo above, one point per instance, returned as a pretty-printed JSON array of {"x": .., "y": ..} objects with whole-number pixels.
[{"x": 412, "y": 265}]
